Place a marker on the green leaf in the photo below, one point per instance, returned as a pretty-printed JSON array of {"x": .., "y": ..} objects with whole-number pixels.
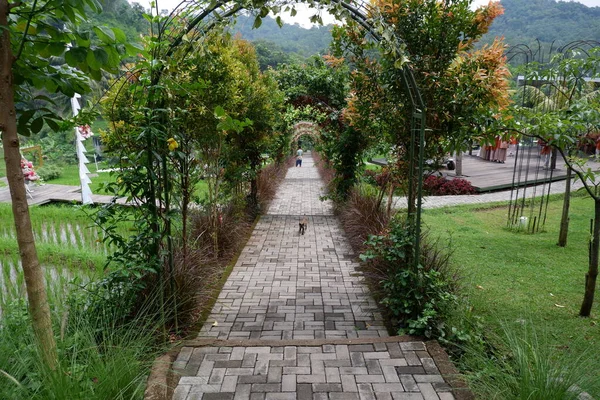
[
  {"x": 37, "y": 125},
  {"x": 52, "y": 124},
  {"x": 105, "y": 34},
  {"x": 82, "y": 38},
  {"x": 56, "y": 48},
  {"x": 220, "y": 112},
  {"x": 133, "y": 48},
  {"x": 26, "y": 116},
  {"x": 257, "y": 22},
  {"x": 75, "y": 56},
  {"x": 97, "y": 58},
  {"x": 119, "y": 35},
  {"x": 24, "y": 131}
]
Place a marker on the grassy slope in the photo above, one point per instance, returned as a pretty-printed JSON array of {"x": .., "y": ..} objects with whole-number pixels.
[{"x": 513, "y": 276}]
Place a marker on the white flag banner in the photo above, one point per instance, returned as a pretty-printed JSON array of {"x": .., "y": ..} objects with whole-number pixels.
[
  {"x": 86, "y": 195},
  {"x": 82, "y": 133},
  {"x": 84, "y": 168},
  {"x": 80, "y": 148}
]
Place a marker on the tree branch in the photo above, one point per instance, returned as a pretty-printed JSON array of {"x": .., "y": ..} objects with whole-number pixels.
[{"x": 22, "y": 45}]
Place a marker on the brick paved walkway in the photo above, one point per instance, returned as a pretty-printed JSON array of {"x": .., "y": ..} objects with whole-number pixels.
[{"x": 295, "y": 321}]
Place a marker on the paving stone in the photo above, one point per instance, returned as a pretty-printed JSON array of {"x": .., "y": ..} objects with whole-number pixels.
[
  {"x": 344, "y": 396},
  {"x": 428, "y": 391},
  {"x": 229, "y": 384},
  {"x": 266, "y": 387},
  {"x": 390, "y": 373},
  {"x": 288, "y": 383},
  {"x": 409, "y": 383},
  {"x": 407, "y": 396},
  {"x": 410, "y": 370},
  {"x": 181, "y": 391},
  {"x": 242, "y": 392},
  {"x": 218, "y": 396},
  {"x": 252, "y": 379},
  {"x": 193, "y": 380},
  {"x": 304, "y": 391},
  {"x": 428, "y": 378},
  {"x": 327, "y": 387},
  {"x": 349, "y": 383},
  {"x": 280, "y": 396}
]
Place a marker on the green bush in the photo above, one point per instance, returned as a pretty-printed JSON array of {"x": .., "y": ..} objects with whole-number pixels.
[
  {"x": 49, "y": 172},
  {"x": 416, "y": 298}
]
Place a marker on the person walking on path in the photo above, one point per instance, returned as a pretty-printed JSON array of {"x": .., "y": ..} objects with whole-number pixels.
[{"x": 299, "y": 157}]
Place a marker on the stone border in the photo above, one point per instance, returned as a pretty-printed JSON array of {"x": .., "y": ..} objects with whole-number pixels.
[
  {"x": 162, "y": 380},
  {"x": 460, "y": 387}
]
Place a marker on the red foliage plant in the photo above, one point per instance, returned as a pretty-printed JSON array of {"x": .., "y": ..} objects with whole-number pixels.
[{"x": 440, "y": 186}]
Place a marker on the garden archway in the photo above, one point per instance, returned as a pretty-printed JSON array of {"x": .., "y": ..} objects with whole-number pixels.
[
  {"x": 201, "y": 18},
  {"x": 305, "y": 128}
]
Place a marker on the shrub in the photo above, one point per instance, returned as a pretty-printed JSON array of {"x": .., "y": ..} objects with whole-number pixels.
[
  {"x": 416, "y": 298},
  {"x": 49, "y": 172},
  {"x": 435, "y": 185},
  {"x": 369, "y": 176}
]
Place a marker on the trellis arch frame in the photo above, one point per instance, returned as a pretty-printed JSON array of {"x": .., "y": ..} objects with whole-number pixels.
[{"x": 201, "y": 17}]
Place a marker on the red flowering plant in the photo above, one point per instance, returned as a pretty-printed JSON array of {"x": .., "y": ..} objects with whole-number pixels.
[{"x": 29, "y": 173}]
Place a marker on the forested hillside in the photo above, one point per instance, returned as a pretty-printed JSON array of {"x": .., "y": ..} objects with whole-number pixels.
[
  {"x": 546, "y": 20},
  {"x": 289, "y": 38}
]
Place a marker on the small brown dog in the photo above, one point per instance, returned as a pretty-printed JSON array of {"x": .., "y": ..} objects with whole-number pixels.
[{"x": 303, "y": 223}]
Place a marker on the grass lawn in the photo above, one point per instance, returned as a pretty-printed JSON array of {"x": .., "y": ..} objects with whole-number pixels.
[
  {"x": 511, "y": 277},
  {"x": 70, "y": 176}
]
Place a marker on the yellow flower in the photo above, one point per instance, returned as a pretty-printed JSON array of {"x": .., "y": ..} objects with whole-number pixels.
[{"x": 172, "y": 144}]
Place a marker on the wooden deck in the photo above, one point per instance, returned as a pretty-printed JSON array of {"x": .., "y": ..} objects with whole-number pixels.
[
  {"x": 487, "y": 176},
  {"x": 47, "y": 193}
]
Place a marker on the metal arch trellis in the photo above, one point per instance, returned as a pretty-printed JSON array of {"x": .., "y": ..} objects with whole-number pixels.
[
  {"x": 201, "y": 17},
  {"x": 531, "y": 179}
]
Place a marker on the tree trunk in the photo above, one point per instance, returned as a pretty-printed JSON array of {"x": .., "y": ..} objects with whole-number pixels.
[
  {"x": 592, "y": 274},
  {"x": 459, "y": 163},
  {"x": 39, "y": 309},
  {"x": 564, "y": 221},
  {"x": 553, "y": 158}
]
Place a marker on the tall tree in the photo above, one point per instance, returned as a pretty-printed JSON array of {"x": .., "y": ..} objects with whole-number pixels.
[
  {"x": 565, "y": 128},
  {"x": 459, "y": 87},
  {"x": 32, "y": 32}
]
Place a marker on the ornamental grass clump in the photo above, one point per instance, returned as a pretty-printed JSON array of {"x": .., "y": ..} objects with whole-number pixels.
[
  {"x": 524, "y": 366},
  {"x": 363, "y": 214},
  {"x": 96, "y": 359}
]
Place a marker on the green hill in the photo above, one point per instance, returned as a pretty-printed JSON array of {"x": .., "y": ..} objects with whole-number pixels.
[
  {"x": 288, "y": 38},
  {"x": 550, "y": 21}
]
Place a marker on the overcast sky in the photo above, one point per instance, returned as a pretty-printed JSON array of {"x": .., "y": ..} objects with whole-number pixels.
[{"x": 304, "y": 12}]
